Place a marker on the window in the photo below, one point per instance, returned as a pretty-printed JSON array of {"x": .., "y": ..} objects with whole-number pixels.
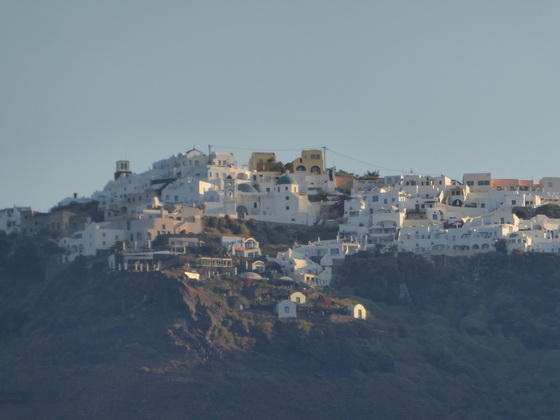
[
  {"x": 287, "y": 207},
  {"x": 287, "y": 197},
  {"x": 375, "y": 199},
  {"x": 286, "y": 309},
  {"x": 469, "y": 183}
]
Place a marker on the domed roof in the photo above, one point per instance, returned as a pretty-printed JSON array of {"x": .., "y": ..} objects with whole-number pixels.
[
  {"x": 246, "y": 187},
  {"x": 194, "y": 152},
  {"x": 285, "y": 180}
]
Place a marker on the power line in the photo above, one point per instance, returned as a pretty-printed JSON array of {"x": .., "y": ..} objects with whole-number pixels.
[
  {"x": 324, "y": 147},
  {"x": 364, "y": 163},
  {"x": 253, "y": 149}
]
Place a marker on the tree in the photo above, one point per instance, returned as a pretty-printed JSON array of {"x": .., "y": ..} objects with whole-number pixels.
[
  {"x": 501, "y": 246},
  {"x": 370, "y": 175}
]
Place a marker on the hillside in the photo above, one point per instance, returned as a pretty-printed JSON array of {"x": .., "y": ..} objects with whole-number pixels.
[{"x": 450, "y": 338}]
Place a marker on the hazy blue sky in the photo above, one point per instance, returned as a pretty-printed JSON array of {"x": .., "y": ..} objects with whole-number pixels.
[{"x": 434, "y": 86}]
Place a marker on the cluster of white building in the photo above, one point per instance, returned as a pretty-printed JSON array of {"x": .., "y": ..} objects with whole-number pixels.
[
  {"x": 287, "y": 308},
  {"x": 313, "y": 263},
  {"x": 137, "y": 230},
  {"x": 223, "y": 188},
  {"x": 416, "y": 213},
  {"x": 425, "y": 214},
  {"x": 172, "y": 196}
]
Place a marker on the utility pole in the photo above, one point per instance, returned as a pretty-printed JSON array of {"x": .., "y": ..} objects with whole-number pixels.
[
  {"x": 209, "y": 153},
  {"x": 325, "y": 159}
]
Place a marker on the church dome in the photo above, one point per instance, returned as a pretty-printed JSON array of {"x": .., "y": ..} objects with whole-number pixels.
[{"x": 285, "y": 180}]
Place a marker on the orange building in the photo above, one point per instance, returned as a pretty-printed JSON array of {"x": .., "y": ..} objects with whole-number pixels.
[{"x": 512, "y": 185}]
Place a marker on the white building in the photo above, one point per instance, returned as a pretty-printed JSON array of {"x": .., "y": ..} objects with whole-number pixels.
[
  {"x": 284, "y": 203},
  {"x": 156, "y": 219},
  {"x": 286, "y": 309},
  {"x": 241, "y": 247},
  {"x": 95, "y": 237},
  {"x": 10, "y": 218},
  {"x": 298, "y": 298},
  {"x": 357, "y": 311}
]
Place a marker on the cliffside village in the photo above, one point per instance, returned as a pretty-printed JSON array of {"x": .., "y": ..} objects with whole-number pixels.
[{"x": 411, "y": 212}]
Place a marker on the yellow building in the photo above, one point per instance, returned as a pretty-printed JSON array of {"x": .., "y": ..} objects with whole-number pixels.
[
  {"x": 262, "y": 161},
  {"x": 311, "y": 161}
]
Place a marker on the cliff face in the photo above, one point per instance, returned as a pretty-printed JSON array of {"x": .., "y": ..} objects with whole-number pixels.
[
  {"x": 82, "y": 342},
  {"x": 464, "y": 338},
  {"x": 82, "y": 337},
  {"x": 108, "y": 316}
]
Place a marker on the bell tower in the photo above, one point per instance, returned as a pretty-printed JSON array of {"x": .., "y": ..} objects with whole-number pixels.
[
  {"x": 229, "y": 195},
  {"x": 123, "y": 169}
]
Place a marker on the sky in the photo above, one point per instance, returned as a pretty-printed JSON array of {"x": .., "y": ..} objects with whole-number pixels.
[{"x": 435, "y": 87}]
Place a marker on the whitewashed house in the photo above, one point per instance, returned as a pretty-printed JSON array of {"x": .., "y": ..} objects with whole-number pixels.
[
  {"x": 298, "y": 297},
  {"x": 286, "y": 309},
  {"x": 10, "y": 218},
  {"x": 283, "y": 204},
  {"x": 155, "y": 219},
  {"x": 241, "y": 247},
  {"x": 357, "y": 311},
  {"x": 95, "y": 237}
]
